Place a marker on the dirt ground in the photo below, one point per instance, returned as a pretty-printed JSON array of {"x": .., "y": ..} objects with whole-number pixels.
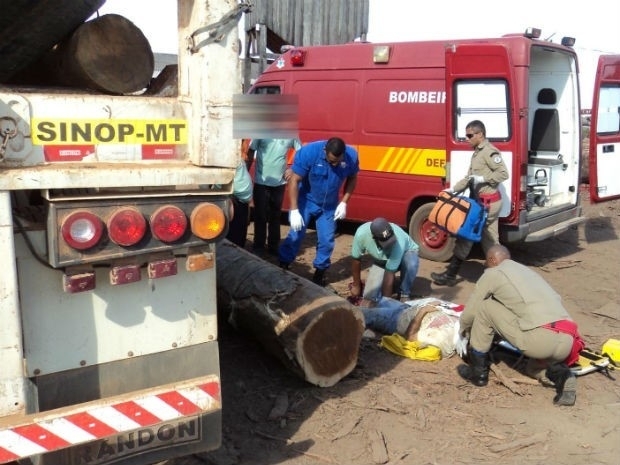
[{"x": 400, "y": 411}]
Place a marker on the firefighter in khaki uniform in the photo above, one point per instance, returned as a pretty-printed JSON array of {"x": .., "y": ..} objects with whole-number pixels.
[
  {"x": 517, "y": 304},
  {"x": 487, "y": 171}
]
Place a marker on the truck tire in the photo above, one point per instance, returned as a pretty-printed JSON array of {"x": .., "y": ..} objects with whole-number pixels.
[{"x": 435, "y": 244}]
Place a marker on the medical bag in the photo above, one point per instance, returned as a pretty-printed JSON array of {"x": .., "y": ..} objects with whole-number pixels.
[{"x": 459, "y": 215}]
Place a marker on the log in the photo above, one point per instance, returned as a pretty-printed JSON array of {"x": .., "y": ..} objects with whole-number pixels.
[
  {"x": 28, "y": 30},
  {"x": 315, "y": 333},
  {"x": 108, "y": 54}
]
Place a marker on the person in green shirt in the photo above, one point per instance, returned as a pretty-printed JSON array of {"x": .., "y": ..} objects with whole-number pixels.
[
  {"x": 241, "y": 197},
  {"x": 392, "y": 250}
]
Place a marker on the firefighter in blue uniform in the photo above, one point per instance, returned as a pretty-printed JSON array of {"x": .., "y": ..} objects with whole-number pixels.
[{"x": 320, "y": 169}]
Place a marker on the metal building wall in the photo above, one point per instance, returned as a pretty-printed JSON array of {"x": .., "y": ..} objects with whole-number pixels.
[
  {"x": 311, "y": 22},
  {"x": 274, "y": 23}
]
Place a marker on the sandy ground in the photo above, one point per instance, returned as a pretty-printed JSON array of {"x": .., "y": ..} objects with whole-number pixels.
[{"x": 400, "y": 411}]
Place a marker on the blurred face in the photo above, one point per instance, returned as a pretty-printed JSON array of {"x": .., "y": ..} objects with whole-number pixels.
[{"x": 473, "y": 137}]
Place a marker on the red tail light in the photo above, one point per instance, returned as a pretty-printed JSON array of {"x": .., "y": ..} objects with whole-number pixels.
[
  {"x": 168, "y": 223},
  {"x": 82, "y": 229},
  {"x": 126, "y": 226}
]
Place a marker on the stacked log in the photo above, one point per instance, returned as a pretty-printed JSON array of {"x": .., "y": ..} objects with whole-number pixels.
[
  {"x": 313, "y": 332},
  {"x": 28, "y": 30},
  {"x": 108, "y": 54}
]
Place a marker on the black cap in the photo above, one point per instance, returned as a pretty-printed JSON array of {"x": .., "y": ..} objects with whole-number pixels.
[{"x": 382, "y": 232}]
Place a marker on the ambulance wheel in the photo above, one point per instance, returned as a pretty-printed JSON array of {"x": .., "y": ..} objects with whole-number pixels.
[{"x": 435, "y": 244}]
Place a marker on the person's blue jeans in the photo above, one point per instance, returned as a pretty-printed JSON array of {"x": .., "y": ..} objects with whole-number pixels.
[
  {"x": 408, "y": 270},
  {"x": 325, "y": 230},
  {"x": 384, "y": 316}
]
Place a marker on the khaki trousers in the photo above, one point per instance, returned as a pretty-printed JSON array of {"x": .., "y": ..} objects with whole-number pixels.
[{"x": 539, "y": 343}]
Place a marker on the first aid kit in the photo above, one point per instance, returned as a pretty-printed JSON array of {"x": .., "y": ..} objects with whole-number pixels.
[{"x": 459, "y": 215}]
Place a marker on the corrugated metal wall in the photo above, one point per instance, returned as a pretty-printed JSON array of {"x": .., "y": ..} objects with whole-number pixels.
[
  {"x": 299, "y": 23},
  {"x": 311, "y": 22}
]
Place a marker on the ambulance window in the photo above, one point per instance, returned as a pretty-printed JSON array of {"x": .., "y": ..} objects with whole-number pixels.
[
  {"x": 266, "y": 90},
  {"x": 486, "y": 101},
  {"x": 608, "y": 116}
]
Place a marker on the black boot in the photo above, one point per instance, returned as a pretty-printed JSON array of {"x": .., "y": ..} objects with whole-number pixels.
[
  {"x": 448, "y": 277},
  {"x": 477, "y": 372},
  {"x": 319, "y": 277},
  {"x": 565, "y": 384}
]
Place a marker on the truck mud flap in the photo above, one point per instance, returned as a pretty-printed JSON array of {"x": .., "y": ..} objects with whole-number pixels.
[{"x": 139, "y": 416}]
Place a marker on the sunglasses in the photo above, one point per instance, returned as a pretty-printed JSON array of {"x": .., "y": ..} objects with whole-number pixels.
[{"x": 469, "y": 136}]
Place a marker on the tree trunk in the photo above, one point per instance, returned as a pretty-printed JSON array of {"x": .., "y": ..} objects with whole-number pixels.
[
  {"x": 108, "y": 54},
  {"x": 29, "y": 29},
  {"x": 315, "y": 333}
]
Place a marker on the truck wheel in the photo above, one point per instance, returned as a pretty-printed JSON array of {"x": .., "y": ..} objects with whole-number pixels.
[{"x": 435, "y": 244}]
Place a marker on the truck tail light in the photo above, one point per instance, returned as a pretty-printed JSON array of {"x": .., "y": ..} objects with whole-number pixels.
[
  {"x": 125, "y": 274},
  {"x": 103, "y": 230},
  {"x": 168, "y": 223},
  {"x": 162, "y": 268},
  {"x": 126, "y": 226},
  {"x": 82, "y": 229},
  {"x": 207, "y": 220},
  {"x": 74, "y": 281}
]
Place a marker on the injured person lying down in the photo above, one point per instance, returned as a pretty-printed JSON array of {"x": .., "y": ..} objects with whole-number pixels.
[{"x": 430, "y": 321}]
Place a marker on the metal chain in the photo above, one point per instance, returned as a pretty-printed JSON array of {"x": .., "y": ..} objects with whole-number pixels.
[{"x": 6, "y": 134}]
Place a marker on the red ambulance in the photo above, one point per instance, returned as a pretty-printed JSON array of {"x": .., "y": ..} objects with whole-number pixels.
[{"x": 404, "y": 107}]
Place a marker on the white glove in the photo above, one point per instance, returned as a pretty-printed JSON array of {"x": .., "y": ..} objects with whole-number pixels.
[
  {"x": 295, "y": 220},
  {"x": 341, "y": 211},
  {"x": 477, "y": 179},
  {"x": 460, "y": 342}
]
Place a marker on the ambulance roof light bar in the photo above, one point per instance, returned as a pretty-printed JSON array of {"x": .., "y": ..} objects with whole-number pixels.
[
  {"x": 532, "y": 33},
  {"x": 568, "y": 41}
]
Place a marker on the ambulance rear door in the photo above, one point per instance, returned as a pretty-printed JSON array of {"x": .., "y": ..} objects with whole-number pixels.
[
  {"x": 604, "y": 156},
  {"x": 478, "y": 87}
]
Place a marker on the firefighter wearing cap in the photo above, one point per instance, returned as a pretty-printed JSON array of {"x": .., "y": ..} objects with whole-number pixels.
[
  {"x": 320, "y": 169},
  {"x": 487, "y": 171},
  {"x": 392, "y": 250}
]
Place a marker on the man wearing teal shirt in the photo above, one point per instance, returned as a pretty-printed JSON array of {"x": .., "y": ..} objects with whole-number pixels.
[
  {"x": 392, "y": 250},
  {"x": 270, "y": 178},
  {"x": 240, "y": 215}
]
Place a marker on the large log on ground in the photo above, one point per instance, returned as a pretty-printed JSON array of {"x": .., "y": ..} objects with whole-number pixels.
[
  {"x": 108, "y": 53},
  {"x": 314, "y": 332},
  {"x": 29, "y": 29}
]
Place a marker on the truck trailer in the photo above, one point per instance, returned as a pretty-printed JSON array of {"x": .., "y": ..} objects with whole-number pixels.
[{"x": 111, "y": 209}]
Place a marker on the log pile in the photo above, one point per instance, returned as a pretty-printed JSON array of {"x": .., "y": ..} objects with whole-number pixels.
[
  {"x": 315, "y": 333},
  {"x": 50, "y": 44},
  {"x": 28, "y": 30}
]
